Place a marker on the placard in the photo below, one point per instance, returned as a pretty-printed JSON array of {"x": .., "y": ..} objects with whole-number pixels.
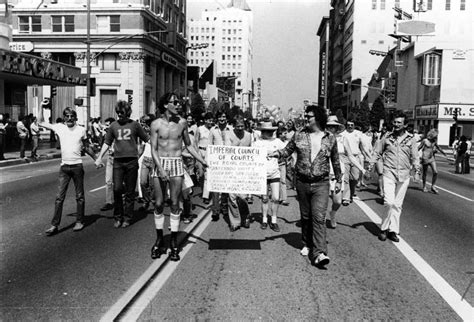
[{"x": 236, "y": 169}]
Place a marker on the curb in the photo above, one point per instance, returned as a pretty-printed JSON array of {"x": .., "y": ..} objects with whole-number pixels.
[{"x": 43, "y": 157}]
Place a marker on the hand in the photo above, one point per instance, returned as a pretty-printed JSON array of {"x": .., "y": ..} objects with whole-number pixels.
[
  {"x": 163, "y": 175},
  {"x": 98, "y": 163},
  {"x": 337, "y": 187},
  {"x": 273, "y": 154},
  {"x": 367, "y": 175},
  {"x": 204, "y": 164}
]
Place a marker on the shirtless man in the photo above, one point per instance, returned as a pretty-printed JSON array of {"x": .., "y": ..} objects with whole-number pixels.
[{"x": 168, "y": 133}]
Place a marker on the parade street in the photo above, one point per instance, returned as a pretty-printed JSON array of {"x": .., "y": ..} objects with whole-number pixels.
[{"x": 107, "y": 273}]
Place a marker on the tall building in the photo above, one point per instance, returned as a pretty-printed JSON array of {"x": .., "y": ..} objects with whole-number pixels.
[
  {"x": 137, "y": 49},
  {"x": 228, "y": 32},
  {"x": 430, "y": 76}
]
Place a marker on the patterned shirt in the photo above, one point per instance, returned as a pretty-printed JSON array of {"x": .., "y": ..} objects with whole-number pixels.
[
  {"x": 317, "y": 169},
  {"x": 399, "y": 154}
]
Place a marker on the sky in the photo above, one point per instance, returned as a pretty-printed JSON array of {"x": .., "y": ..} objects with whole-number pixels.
[{"x": 286, "y": 46}]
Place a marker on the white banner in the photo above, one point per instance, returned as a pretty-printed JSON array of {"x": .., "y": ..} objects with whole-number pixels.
[{"x": 237, "y": 169}]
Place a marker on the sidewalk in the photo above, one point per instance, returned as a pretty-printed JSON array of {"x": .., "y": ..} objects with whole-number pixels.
[{"x": 45, "y": 152}]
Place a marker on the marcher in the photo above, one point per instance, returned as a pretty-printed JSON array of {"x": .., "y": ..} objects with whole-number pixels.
[
  {"x": 168, "y": 133},
  {"x": 3, "y": 132},
  {"x": 109, "y": 171},
  {"x": 459, "y": 165},
  {"x": 400, "y": 155},
  {"x": 202, "y": 141},
  {"x": 272, "y": 144},
  {"x": 73, "y": 141},
  {"x": 238, "y": 205},
  {"x": 315, "y": 148},
  {"x": 467, "y": 165},
  {"x": 281, "y": 134},
  {"x": 23, "y": 134},
  {"x": 217, "y": 136},
  {"x": 35, "y": 135},
  {"x": 351, "y": 172},
  {"x": 428, "y": 148},
  {"x": 147, "y": 166},
  {"x": 123, "y": 134}
]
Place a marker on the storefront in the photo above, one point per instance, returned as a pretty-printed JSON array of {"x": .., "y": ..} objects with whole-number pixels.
[{"x": 440, "y": 116}]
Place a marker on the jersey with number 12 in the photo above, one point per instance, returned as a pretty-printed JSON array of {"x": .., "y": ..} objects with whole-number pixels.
[{"x": 124, "y": 137}]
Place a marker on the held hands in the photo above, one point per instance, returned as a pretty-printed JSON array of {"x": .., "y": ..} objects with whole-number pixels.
[{"x": 98, "y": 163}]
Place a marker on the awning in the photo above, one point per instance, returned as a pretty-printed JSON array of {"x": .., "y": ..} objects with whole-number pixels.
[{"x": 27, "y": 69}]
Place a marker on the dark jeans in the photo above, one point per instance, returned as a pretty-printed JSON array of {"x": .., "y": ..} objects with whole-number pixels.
[
  {"x": 35, "y": 146},
  {"x": 313, "y": 200},
  {"x": 23, "y": 146},
  {"x": 125, "y": 182},
  {"x": 66, "y": 173}
]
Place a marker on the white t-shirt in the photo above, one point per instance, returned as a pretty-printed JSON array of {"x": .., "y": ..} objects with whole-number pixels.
[
  {"x": 273, "y": 170},
  {"x": 354, "y": 138},
  {"x": 71, "y": 142}
]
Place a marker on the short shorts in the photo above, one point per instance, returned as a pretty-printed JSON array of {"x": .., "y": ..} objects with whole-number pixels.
[{"x": 172, "y": 165}]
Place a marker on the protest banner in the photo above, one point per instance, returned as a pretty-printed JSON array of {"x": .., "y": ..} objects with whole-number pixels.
[{"x": 236, "y": 169}]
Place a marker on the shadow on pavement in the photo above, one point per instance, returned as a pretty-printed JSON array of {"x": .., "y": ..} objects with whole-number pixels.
[{"x": 371, "y": 227}]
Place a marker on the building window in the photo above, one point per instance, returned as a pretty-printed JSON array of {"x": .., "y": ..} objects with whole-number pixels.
[
  {"x": 108, "y": 62},
  {"x": 397, "y": 3},
  {"x": 108, "y": 24},
  {"x": 430, "y": 5},
  {"x": 431, "y": 69},
  {"x": 62, "y": 23},
  {"x": 448, "y": 5},
  {"x": 463, "y": 5},
  {"x": 148, "y": 65},
  {"x": 363, "y": 41},
  {"x": 374, "y": 4},
  {"x": 381, "y": 42},
  {"x": 382, "y": 4},
  {"x": 29, "y": 23}
]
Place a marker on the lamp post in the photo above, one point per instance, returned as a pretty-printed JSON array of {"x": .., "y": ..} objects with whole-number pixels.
[{"x": 88, "y": 64}]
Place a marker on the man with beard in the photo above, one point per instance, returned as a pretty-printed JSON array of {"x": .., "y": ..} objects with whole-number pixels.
[
  {"x": 73, "y": 140},
  {"x": 123, "y": 133},
  {"x": 399, "y": 152},
  {"x": 168, "y": 133}
]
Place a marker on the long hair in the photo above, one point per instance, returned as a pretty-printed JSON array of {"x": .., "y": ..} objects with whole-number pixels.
[
  {"x": 164, "y": 101},
  {"x": 123, "y": 106},
  {"x": 320, "y": 115}
]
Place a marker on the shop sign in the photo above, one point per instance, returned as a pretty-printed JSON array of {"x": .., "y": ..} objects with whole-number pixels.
[
  {"x": 21, "y": 64},
  {"x": 169, "y": 60},
  {"x": 426, "y": 111},
  {"x": 22, "y": 46},
  {"x": 465, "y": 112}
]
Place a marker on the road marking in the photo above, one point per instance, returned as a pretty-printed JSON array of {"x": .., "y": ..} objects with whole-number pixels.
[
  {"x": 137, "y": 298},
  {"x": 453, "y": 193},
  {"x": 97, "y": 189},
  {"x": 457, "y": 175},
  {"x": 448, "y": 293}
]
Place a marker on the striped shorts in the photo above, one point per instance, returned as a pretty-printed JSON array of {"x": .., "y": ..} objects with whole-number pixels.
[{"x": 172, "y": 165}]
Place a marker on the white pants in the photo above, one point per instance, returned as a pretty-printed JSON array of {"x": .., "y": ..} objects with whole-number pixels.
[{"x": 394, "y": 196}]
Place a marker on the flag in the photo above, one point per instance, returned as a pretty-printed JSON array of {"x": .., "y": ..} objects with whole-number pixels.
[{"x": 207, "y": 76}]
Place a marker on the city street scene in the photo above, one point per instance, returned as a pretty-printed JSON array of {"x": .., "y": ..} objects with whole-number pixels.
[{"x": 290, "y": 160}]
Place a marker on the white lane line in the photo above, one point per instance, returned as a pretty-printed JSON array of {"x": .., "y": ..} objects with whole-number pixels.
[
  {"x": 453, "y": 193},
  {"x": 448, "y": 293},
  {"x": 97, "y": 189},
  {"x": 158, "y": 273}
]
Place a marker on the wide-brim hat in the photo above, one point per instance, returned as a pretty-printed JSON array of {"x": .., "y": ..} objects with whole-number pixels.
[
  {"x": 332, "y": 120},
  {"x": 267, "y": 126}
]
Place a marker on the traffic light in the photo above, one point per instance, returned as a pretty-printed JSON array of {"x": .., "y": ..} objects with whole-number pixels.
[
  {"x": 455, "y": 114},
  {"x": 54, "y": 90},
  {"x": 92, "y": 87},
  {"x": 171, "y": 35},
  {"x": 130, "y": 100},
  {"x": 346, "y": 86}
]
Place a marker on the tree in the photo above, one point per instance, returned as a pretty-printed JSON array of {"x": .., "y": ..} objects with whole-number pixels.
[
  {"x": 377, "y": 113},
  {"x": 197, "y": 106},
  {"x": 362, "y": 115},
  {"x": 340, "y": 116}
]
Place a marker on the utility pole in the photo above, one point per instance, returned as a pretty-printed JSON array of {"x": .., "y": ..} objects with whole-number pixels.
[{"x": 88, "y": 64}]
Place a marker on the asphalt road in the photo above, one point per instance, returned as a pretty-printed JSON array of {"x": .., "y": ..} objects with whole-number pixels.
[{"x": 248, "y": 274}]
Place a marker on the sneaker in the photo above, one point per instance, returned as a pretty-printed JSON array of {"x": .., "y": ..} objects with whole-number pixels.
[
  {"x": 125, "y": 224},
  {"x": 187, "y": 220},
  {"x": 274, "y": 227},
  {"x": 304, "y": 251},
  {"x": 285, "y": 203},
  {"x": 434, "y": 190},
  {"x": 425, "y": 189},
  {"x": 117, "y": 224},
  {"x": 321, "y": 260},
  {"x": 206, "y": 201},
  {"x": 51, "y": 230},
  {"x": 383, "y": 235},
  {"x": 249, "y": 200},
  {"x": 78, "y": 226},
  {"x": 393, "y": 236},
  {"x": 263, "y": 225}
]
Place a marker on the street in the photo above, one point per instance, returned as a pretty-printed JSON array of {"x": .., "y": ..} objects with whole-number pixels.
[{"x": 247, "y": 274}]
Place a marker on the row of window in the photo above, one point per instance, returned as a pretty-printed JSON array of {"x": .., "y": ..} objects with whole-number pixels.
[
  {"x": 27, "y": 24},
  {"x": 427, "y": 4},
  {"x": 231, "y": 40},
  {"x": 204, "y": 30},
  {"x": 202, "y": 38},
  {"x": 233, "y": 66},
  {"x": 233, "y": 57}
]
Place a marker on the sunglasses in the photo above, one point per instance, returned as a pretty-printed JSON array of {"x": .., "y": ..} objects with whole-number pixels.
[
  {"x": 176, "y": 102},
  {"x": 120, "y": 112},
  {"x": 308, "y": 116},
  {"x": 69, "y": 116}
]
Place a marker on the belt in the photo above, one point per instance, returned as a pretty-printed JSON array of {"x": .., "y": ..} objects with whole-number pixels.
[{"x": 312, "y": 179}]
